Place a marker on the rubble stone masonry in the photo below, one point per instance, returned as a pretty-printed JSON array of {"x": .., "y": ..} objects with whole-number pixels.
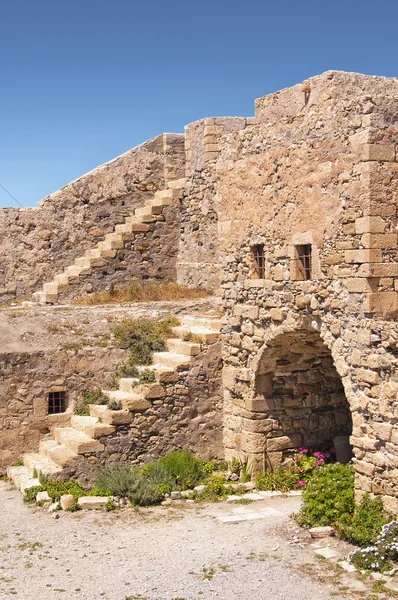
[{"x": 291, "y": 216}]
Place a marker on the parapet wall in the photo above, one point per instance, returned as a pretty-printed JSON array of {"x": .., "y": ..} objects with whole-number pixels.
[{"x": 37, "y": 243}]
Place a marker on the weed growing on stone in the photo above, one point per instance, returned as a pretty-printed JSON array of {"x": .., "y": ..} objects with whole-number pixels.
[
  {"x": 143, "y": 337},
  {"x": 151, "y": 291}
]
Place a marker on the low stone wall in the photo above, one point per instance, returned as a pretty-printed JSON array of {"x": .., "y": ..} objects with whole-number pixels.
[
  {"x": 187, "y": 414},
  {"x": 37, "y": 243},
  {"x": 25, "y": 382}
]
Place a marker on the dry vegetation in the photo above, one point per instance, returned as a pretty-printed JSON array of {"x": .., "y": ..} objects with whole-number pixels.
[{"x": 151, "y": 291}]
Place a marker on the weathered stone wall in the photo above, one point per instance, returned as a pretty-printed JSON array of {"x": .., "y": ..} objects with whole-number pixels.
[
  {"x": 37, "y": 243},
  {"x": 316, "y": 166},
  {"x": 25, "y": 382},
  {"x": 151, "y": 254},
  {"x": 198, "y": 261},
  {"x": 185, "y": 414}
]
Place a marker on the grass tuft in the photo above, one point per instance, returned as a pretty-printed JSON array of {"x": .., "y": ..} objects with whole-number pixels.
[{"x": 150, "y": 291}]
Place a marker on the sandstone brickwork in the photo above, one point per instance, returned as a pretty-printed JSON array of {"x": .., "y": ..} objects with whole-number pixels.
[{"x": 37, "y": 243}]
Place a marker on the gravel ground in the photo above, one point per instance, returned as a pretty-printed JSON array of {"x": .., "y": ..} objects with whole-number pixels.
[{"x": 181, "y": 552}]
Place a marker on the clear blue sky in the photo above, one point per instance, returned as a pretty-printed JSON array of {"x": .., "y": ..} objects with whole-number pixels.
[{"x": 83, "y": 81}]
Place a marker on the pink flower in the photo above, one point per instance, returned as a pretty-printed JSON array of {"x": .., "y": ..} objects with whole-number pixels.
[
  {"x": 318, "y": 454},
  {"x": 333, "y": 450},
  {"x": 301, "y": 483},
  {"x": 303, "y": 451},
  {"x": 319, "y": 462},
  {"x": 327, "y": 454},
  {"x": 298, "y": 458}
]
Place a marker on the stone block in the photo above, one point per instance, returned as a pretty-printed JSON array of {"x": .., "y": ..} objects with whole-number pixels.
[
  {"x": 383, "y": 303},
  {"x": 360, "y": 285},
  {"x": 382, "y": 152},
  {"x": 368, "y": 376},
  {"x": 283, "y": 443},
  {"x": 92, "y": 502},
  {"x": 321, "y": 532},
  {"x": 370, "y": 225},
  {"x": 378, "y": 270},
  {"x": 362, "y": 256},
  {"x": 379, "y": 240}
]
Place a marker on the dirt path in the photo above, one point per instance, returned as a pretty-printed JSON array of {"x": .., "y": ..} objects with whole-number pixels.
[{"x": 173, "y": 553}]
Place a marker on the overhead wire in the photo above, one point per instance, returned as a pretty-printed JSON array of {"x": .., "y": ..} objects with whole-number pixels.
[{"x": 9, "y": 193}]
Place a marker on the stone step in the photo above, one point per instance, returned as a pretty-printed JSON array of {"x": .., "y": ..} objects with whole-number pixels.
[
  {"x": 42, "y": 464},
  {"x": 207, "y": 336},
  {"x": 171, "y": 359},
  {"x": 76, "y": 271},
  {"x": 55, "y": 288},
  {"x": 77, "y": 441},
  {"x": 134, "y": 219},
  {"x": 61, "y": 278},
  {"x": 178, "y": 346},
  {"x": 145, "y": 211},
  {"x": 93, "y": 253},
  {"x": 45, "y": 298},
  {"x": 22, "y": 478},
  {"x": 206, "y": 322},
  {"x": 111, "y": 417},
  {"x": 128, "y": 400},
  {"x": 176, "y": 183},
  {"x": 91, "y": 426},
  {"x": 58, "y": 453},
  {"x": 162, "y": 374},
  {"x": 89, "y": 263},
  {"x": 126, "y": 384}
]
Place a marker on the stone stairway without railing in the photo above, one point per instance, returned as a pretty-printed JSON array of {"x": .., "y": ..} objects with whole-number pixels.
[
  {"x": 107, "y": 249},
  {"x": 82, "y": 436}
]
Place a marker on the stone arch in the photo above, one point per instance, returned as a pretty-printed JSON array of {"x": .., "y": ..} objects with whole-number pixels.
[{"x": 297, "y": 395}]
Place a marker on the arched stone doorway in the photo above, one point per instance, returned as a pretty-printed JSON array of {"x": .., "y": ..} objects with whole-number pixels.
[{"x": 300, "y": 394}]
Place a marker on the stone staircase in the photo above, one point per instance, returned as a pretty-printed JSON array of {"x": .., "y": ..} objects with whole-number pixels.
[
  {"x": 107, "y": 249},
  {"x": 82, "y": 436}
]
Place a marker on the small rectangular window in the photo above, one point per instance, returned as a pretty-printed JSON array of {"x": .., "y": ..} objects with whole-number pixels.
[
  {"x": 304, "y": 261},
  {"x": 259, "y": 260},
  {"x": 56, "y": 403}
]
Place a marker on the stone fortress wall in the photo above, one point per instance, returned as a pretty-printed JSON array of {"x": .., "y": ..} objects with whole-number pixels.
[
  {"x": 37, "y": 243},
  {"x": 291, "y": 216}
]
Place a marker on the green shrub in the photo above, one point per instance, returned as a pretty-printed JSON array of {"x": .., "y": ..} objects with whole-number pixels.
[
  {"x": 119, "y": 481},
  {"x": 145, "y": 492},
  {"x": 363, "y": 527},
  {"x": 215, "y": 489},
  {"x": 185, "y": 469},
  {"x": 55, "y": 489},
  {"x": 281, "y": 479},
  {"x": 97, "y": 491},
  {"x": 143, "y": 337},
  {"x": 328, "y": 495}
]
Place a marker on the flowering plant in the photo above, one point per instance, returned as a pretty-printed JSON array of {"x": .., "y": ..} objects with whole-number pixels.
[
  {"x": 312, "y": 456},
  {"x": 381, "y": 555}
]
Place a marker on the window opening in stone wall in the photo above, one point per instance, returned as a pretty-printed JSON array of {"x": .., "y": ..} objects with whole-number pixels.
[
  {"x": 304, "y": 261},
  {"x": 259, "y": 260},
  {"x": 56, "y": 403}
]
